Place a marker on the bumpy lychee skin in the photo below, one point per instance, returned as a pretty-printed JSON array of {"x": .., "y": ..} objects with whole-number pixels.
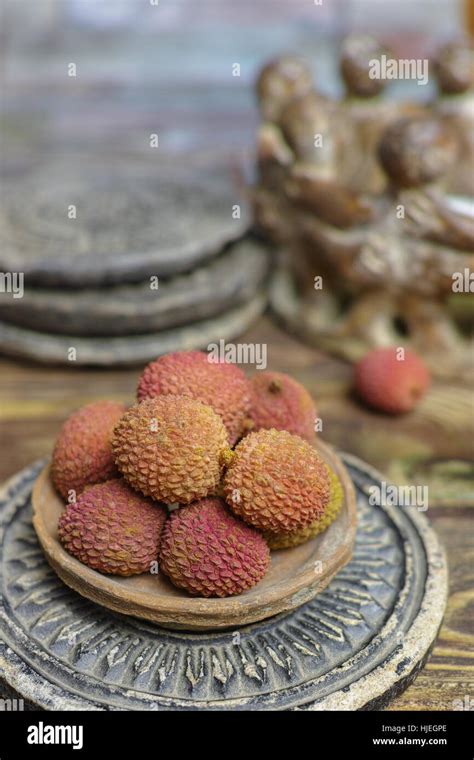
[
  {"x": 82, "y": 454},
  {"x": 208, "y": 552},
  {"x": 288, "y": 540},
  {"x": 171, "y": 448},
  {"x": 391, "y": 381},
  {"x": 282, "y": 403},
  {"x": 112, "y": 529},
  {"x": 276, "y": 482},
  {"x": 222, "y": 386}
]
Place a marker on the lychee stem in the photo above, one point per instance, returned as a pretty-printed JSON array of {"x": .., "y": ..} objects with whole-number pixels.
[
  {"x": 274, "y": 386},
  {"x": 248, "y": 425},
  {"x": 226, "y": 457}
]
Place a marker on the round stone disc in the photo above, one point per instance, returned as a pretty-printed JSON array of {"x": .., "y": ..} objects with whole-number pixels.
[
  {"x": 357, "y": 644},
  {"x": 131, "y": 349},
  {"x": 228, "y": 280},
  {"x": 79, "y": 223}
]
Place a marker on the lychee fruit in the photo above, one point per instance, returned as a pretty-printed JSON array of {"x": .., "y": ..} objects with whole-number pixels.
[
  {"x": 282, "y": 403},
  {"x": 171, "y": 448},
  {"x": 222, "y": 386},
  {"x": 208, "y": 552},
  {"x": 82, "y": 454},
  {"x": 287, "y": 540},
  {"x": 276, "y": 482},
  {"x": 391, "y": 379},
  {"x": 112, "y": 529}
]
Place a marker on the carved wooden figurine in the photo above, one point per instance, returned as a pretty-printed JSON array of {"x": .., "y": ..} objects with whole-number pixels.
[{"x": 360, "y": 269}]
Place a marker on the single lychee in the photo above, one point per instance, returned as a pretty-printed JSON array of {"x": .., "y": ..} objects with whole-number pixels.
[
  {"x": 276, "y": 482},
  {"x": 282, "y": 403},
  {"x": 220, "y": 385},
  {"x": 112, "y": 529},
  {"x": 391, "y": 379},
  {"x": 82, "y": 454},
  {"x": 287, "y": 540},
  {"x": 171, "y": 448},
  {"x": 208, "y": 552}
]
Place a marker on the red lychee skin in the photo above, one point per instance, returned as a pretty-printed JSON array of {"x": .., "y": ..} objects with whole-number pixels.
[
  {"x": 222, "y": 386},
  {"x": 390, "y": 384},
  {"x": 82, "y": 454},
  {"x": 112, "y": 529},
  {"x": 171, "y": 448},
  {"x": 276, "y": 482},
  {"x": 280, "y": 402},
  {"x": 210, "y": 553}
]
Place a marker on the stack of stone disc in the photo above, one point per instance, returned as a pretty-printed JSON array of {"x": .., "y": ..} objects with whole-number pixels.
[{"x": 122, "y": 261}]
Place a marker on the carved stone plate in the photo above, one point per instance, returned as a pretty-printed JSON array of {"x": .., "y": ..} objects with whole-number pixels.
[
  {"x": 359, "y": 642},
  {"x": 85, "y": 222},
  {"x": 128, "y": 349},
  {"x": 231, "y": 279}
]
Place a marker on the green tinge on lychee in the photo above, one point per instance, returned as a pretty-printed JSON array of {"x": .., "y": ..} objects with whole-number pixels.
[
  {"x": 276, "y": 482},
  {"x": 288, "y": 540}
]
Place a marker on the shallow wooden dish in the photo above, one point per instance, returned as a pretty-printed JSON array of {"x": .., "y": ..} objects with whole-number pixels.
[{"x": 295, "y": 575}]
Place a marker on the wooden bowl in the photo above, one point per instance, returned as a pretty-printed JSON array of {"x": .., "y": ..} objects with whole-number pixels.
[{"x": 295, "y": 575}]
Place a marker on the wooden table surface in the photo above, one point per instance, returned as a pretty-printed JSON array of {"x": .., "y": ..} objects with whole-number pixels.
[{"x": 429, "y": 446}]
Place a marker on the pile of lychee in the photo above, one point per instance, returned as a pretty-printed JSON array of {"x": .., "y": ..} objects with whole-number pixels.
[{"x": 201, "y": 478}]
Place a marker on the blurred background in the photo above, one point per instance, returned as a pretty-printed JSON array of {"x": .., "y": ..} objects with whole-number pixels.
[{"x": 143, "y": 67}]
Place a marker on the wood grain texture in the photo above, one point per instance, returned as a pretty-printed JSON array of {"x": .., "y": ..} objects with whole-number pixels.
[{"x": 34, "y": 400}]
